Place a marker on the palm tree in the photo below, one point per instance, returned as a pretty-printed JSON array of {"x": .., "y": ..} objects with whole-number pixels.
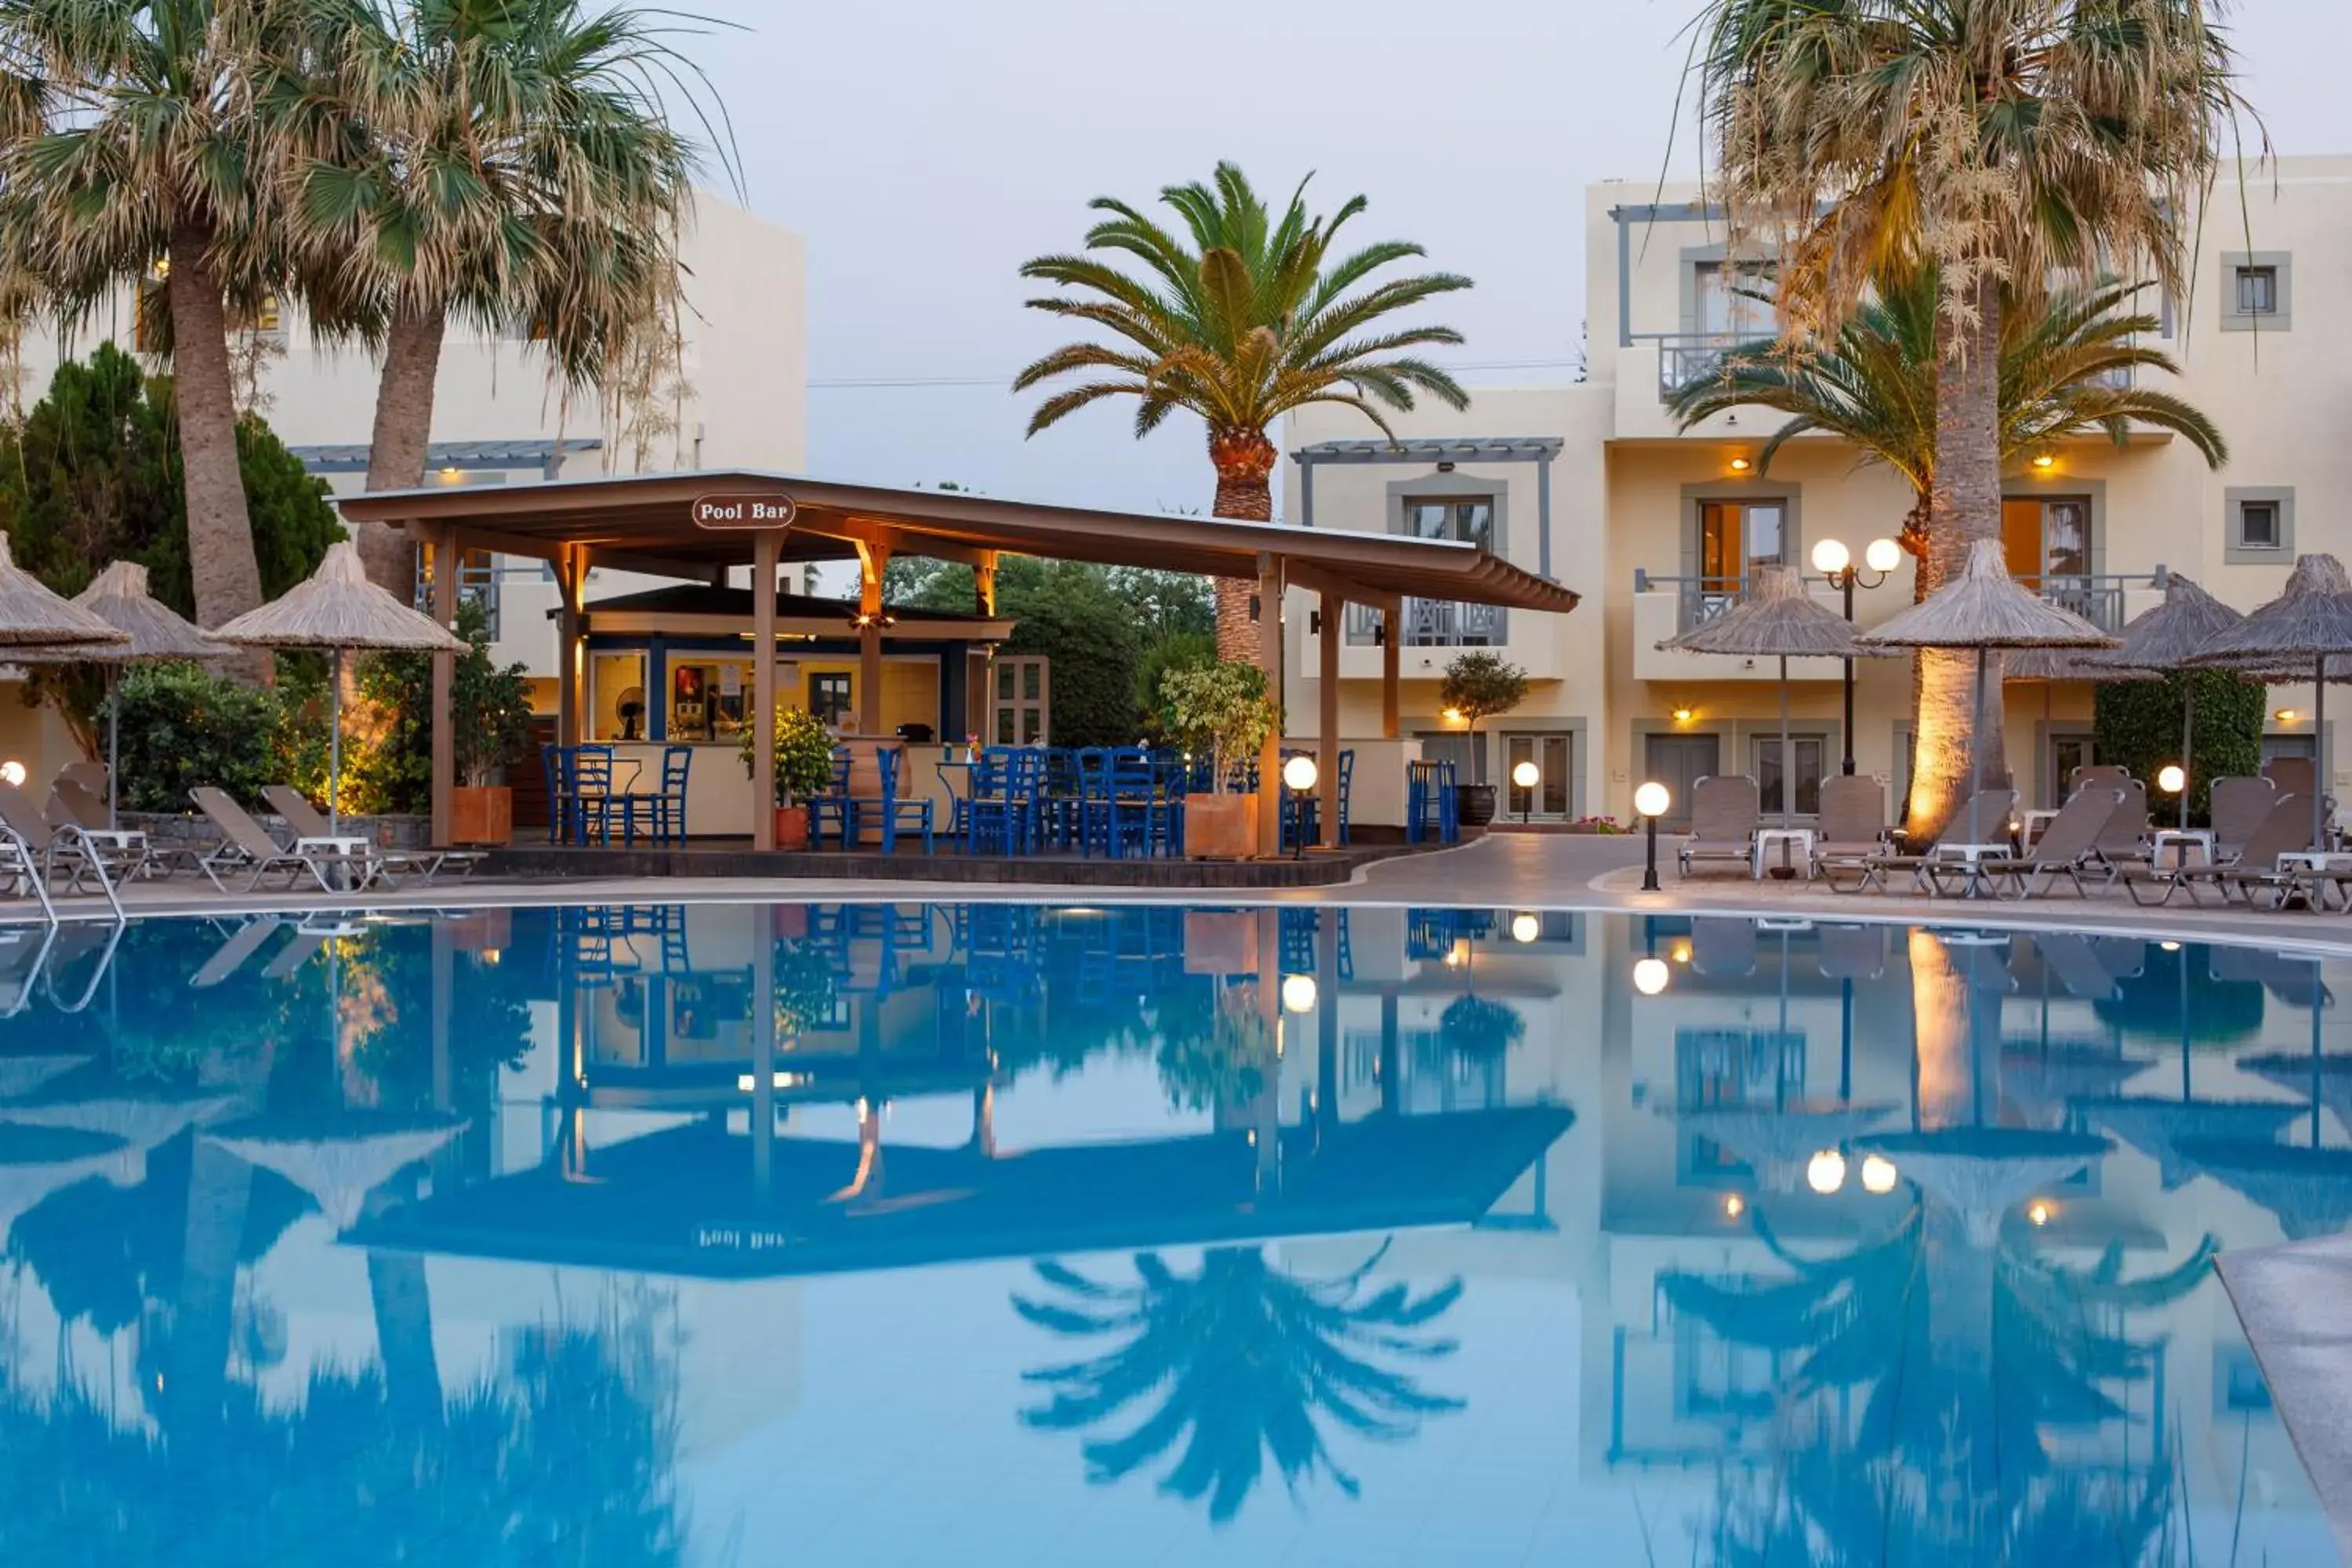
[
  {"x": 1243, "y": 1358},
  {"x": 2007, "y": 143},
  {"x": 502, "y": 164},
  {"x": 2068, "y": 359},
  {"x": 150, "y": 153},
  {"x": 1239, "y": 319}
]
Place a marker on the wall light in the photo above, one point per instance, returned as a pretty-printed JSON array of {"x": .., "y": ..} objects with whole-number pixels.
[
  {"x": 2044, "y": 461},
  {"x": 1683, "y": 715},
  {"x": 2041, "y": 1211},
  {"x": 2286, "y": 715},
  {"x": 1741, "y": 465},
  {"x": 1452, "y": 715},
  {"x": 1734, "y": 1205}
]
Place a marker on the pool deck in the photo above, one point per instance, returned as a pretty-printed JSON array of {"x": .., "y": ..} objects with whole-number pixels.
[{"x": 2296, "y": 1300}]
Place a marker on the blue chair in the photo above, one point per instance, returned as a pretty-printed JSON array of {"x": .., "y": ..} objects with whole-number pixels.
[
  {"x": 591, "y": 793},
  {"x": 1347, "y": 781},
  {"x": 893, "y": 813},
  {"x": 833, "y": 804},
  {"x": 669, "y": 810},
  {"x": 1004, "y": 816}
]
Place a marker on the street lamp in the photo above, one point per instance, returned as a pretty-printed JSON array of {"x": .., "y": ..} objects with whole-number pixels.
[
  {"x": 2173, "y": 779},
  {"x": 1651, "y": 802},
  {"x": 1833, "y": 561},
  {"x": 1298, "y": 993},
  {"x": 1650, "y": 975},
  {"x": 1525, "y": 776},
  {"x": 1298, "y": 776}
]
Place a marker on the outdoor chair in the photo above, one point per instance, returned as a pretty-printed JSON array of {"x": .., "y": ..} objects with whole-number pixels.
[
  {"x": 1723, "y": 948},
  {"x": 1853, "y": 952},
  {"x": 1004, "y": 801},
  {"x": 830, "y": 803},
  {"x": 893, "y": 814},
  {"x": 247, "y": 850},
  {"x": 2284, "y": 830},
  {"x": 2300, "y": 775},
  {"x": 34, "y": 852},
  {"x": 1725, "y": 812},
  {"x": 1988, "y": 810},
  {"x": 232, "y": 954},
  {"x": 90, "y": 776},
  {"x": 1853, "y": 824},
  {"x": 2068, "y": 847},
  {"x": 71, "y": 804},
  {"x": 2125, "y": 839},
  {"x": 2239, "y": 807},
  {"x": 2075, "y": 963},
  {"x": 2097, "y": 775},
  {"x": 670, "y": 812},
  {"x": 303, "y": 820}
]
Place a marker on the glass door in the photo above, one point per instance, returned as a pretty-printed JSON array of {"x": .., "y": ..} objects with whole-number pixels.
[{"x": 1551, "y": 754}]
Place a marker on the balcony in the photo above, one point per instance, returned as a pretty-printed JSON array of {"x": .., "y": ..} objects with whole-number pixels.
[
  {"x": 1666, "y": 607},
  {"x": 478, "y": 584},
  {"x": 1435, "y": 623}
]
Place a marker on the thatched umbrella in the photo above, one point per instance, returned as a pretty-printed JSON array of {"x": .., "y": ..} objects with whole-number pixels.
[
  {"x": 1776, "y": 618},
  {"x": 2159, "y": 642},
  {"x": 2290, "y": 638},
  {"x": 38, "y": 1161},
  {"x": 337, "y": 609},
  {"x": 152, "y": 635},
  {"x": 1983, "y": 608},
  {"x": 33, "y": 616},
  {"x": 1779, "y": 1144},
  {"x": 1981, "y": 1173},
  {"x": 23, "y": 1075},
  {"x": 339, "y": 1157},
  {"x": 2310, "y": 1190},
  {"x": 2167, "y": 1130},
  {"x": 2325, "y": 1076},
  {"x": 141, "y": 1121}
]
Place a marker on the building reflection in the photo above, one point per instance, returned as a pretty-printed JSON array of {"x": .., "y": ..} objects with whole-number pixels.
[{"x": 1811, "y": 1203}]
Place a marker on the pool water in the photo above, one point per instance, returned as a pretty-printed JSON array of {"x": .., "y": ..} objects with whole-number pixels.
[{"x": 997, "y": 1234}]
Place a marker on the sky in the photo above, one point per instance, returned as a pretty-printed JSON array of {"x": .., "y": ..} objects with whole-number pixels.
[{"x": 924, "y": 150}]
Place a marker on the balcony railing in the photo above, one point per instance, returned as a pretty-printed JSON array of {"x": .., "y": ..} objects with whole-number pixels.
[
  {"x": 478, "y": 584},
  {"x": 1687, "y": 358},
  {"x": 1435, "y": 623},
  {"x": 2098, "y": 599}
]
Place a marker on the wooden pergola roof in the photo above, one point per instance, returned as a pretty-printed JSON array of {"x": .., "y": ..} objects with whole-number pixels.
[{"x": 643, "y": 522}]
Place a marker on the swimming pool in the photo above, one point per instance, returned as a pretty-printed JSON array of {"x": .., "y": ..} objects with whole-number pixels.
[{"x": 1004, "y": 1233}]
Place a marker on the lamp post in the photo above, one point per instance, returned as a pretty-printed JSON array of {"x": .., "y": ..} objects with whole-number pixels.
[
  {"x": 2173, "y": 779},
  {"x": 1833, "y": 561},
  {"x": 1300, "y": 775},
  {"x": 1525, "y": 776},
  {"x": 1651, "y": 802}
]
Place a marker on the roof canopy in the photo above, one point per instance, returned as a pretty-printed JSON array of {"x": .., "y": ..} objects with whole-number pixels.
[{"x": 645, "y": 522}]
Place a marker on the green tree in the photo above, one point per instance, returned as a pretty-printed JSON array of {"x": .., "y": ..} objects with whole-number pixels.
[
  {"x": 92, "y": 475},
  {"x": 1239, "y": 319},
  {"x": 1075, "y": 620},
  {"x": 2069, "y": 362},
  {"x": 2008, "y": 144},
  {"x": 1478, "y": 684},
  {"x": 1240, "y": 1363},
  {"x": 395, "y": 770},
  {"x": 501, "y": 163},
  {"x": 152, "y": 154}
]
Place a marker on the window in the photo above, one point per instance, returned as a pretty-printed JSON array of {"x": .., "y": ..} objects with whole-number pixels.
[
  {"x": 708, "y": 700},
  {"x": 2258, "y": 525},
  {"x": 1468, "y": 519},
  {"x": 1735, "y": 537},
  {"x": 1021, "y": 712},
  {"x": 1730, "y": 300},
  {"x": 2257, "y": 290},
  {"x": 829, "y": 697},
  {"x": 263, "y": 320},
  {"x": 2069, "y": 753},
  {"x": 1809, "y": 750},
  {"x": 2045, "y": 539}
]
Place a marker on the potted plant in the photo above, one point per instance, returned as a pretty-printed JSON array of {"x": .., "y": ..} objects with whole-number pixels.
[
  {"x": 803, "y": 768},
  {"x": 490, "y": 710},
  {"x": 1479, "y": 685},
  {"x": 1223, "y": 710}
]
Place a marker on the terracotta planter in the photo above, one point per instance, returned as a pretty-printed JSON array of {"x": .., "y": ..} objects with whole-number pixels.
[
  {"x": 791, "y": 827},
  {"x": 481, "y": 815},
  {"x": 1221, "y": 827}
]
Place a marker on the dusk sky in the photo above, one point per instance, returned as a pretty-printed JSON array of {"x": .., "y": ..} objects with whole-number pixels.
[{"x": 925, "y": 150}]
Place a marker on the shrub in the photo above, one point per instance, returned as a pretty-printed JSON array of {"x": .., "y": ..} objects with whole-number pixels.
[
  {"x": 1177, "y": 650},
  {"x": 803, "y": 753},
  {"x": 491, "y": 708},
  {"x": 185, "y": 728},
  {"x": 1221, "y": 709},
  {"x": 1473, "y": 1027},
  {"x": 2139, "y": 727}
]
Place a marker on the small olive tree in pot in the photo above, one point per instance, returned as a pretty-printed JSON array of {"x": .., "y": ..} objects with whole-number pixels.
[
  {"x": 1223, "y": 710},
  {"x": 1480, "y": 685},
  {"x": 803, "y": 768}
]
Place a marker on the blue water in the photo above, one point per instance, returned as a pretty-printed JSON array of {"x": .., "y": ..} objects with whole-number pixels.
[{"x": 1021, "y": 1236}]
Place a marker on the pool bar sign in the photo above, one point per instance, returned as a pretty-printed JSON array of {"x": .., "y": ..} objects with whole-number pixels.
[{"x": 753, "y": 510}]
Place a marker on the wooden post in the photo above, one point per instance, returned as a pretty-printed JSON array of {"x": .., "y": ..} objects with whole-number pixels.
[
  {"x": 764, "y": 546},
  {"x": 445, "y": 682},
  {"x": 763, "y": 1016},
  {"x": 1269, "y": 658},
  {"x": 984, "y": 584},
  {"x": 571, "y": 585},
  {"x": 1391, "y": 665},
  {"x": 1326, "y": 725},
  {"x": 872, "y": 560}
]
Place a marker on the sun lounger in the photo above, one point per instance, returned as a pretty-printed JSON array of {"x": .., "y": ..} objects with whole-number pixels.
[
  {"x": 1853, "y": 952},
  {"x": 295, "y": 954},
  {"x": 2125, "y": 839},
  {"x": 2288, "y": 828},
  {"x": 75, "y": 942},
  {"x": 1853, "y": 824},
  {"x": 1988, "y": 810},
  {"x": 35, "y": 852},
  {"x": 232, "y": 954},
  {"x": 2071, "y": 958},
  {"x": 1723, "y": 947},
  {"x": 2068, "y": 847},
  {"x": 1724, "y": 811},
  {"x": 245, "y": 850},
  {"x": 388, "y": 865},
  {"x": 2239, "y": 807}
]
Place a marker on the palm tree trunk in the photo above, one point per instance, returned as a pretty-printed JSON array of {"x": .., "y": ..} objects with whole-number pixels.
[
  {"x": 1964, "y": 505},
  {"x": 399, "y": 442},
  {"x": 1245, "y": 461},
  {"x": 221, "y": 562}
]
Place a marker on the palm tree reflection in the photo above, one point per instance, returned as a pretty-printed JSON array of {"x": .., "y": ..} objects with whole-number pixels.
[{"x": 1236, "y": 1362}]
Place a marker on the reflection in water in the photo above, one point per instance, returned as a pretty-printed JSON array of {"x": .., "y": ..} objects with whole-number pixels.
[
  {"x": 562, "y": 1235},
  {"x": 1236, "y": 1361}
]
